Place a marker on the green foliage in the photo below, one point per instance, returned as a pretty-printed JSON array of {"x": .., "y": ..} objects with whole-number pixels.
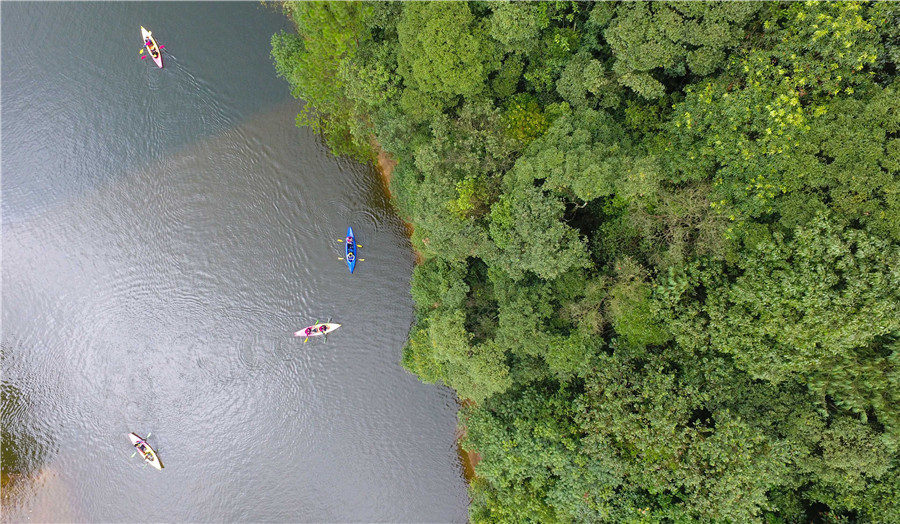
[
  {"x": 437, "y": 284},
  {"x": 475, "y": 371},
  {"x": 505, "y": 83},
  {"x": 518, "y": 26},
  {"x": 465, "y": 203},
  {"x": 586, "y": 83},
  {"x": 825, "y": 306},
  {"x": 311, "y": 62},
  {"x": 419, "y": 357},
  {"x": 530, "y": 237},
  {"x": 440, "y": 230},
  {"x": 630, "y": 309},
  {"x": 524, "y": 118},
  {"x": 532, "y": 468},
  {"x": 660, "y": 243},
  {"x": 800, "y": 117},
  {"x": 472, "y": 145},
  {"x": 583, "y": 154},
  {"x": 670, "y": 38},
  {"x": 850, "y": 454},
  {"x": 676, "y": 446},
  {"x": 550, "y": 58},
  {"x": 442, "y": 51}
]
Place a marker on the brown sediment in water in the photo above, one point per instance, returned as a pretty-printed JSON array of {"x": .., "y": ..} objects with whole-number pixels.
[
  {"x": 41, "y": 495},
  {"x": 385, "y": 165},
  {"x": 469, "y": 459}
]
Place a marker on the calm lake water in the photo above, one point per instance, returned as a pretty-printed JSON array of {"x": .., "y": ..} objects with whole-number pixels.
[{"x": 163, "y": 234}]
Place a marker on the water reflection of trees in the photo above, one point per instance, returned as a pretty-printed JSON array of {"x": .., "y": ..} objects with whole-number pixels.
[{"x": 23, "y": 453}]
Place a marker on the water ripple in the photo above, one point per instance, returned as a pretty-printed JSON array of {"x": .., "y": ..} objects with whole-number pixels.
[{"x": 160, "y": 255}]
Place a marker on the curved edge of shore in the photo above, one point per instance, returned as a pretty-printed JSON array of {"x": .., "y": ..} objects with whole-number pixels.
[{"x": 385, "y": 164}]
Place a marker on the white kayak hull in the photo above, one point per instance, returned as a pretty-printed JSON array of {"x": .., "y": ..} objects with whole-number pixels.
[
  {"x": 150, "y": 456},
  {"x": 314, "y": 331},
  {"x": 146, "y": 35}
]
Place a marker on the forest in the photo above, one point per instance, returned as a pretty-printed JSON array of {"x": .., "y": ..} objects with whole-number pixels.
[{"x": 660, "y": 243}]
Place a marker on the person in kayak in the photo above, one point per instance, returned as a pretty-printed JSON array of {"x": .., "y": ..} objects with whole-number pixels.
[
  {"x": 350, "y": 240},
  {"x": 323, "y": 328},
  {"x": 143, "y": 449},
  {"x": 349, "y": 257},
  {"x": 309, "y": 330},
  {"x": 150, "y": 46}
]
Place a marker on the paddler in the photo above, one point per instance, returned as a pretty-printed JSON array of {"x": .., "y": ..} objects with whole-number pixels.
[{"x": 143, "y": 449}]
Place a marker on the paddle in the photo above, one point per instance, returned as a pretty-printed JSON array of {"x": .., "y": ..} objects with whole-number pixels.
[
  {"x": 342, "y": 240},
  {"x": 358, "y": 259},
  {"x": 307, "y": 336},
  {"x": 143, "y": 56}
]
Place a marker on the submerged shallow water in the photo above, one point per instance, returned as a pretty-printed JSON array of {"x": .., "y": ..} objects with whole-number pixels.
[{"x": 164, "y": 233}]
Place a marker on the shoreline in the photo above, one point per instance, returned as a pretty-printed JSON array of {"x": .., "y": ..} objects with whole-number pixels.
[
  {"x": 469, "y": 459},
  {"x": 385, "y": 165}
]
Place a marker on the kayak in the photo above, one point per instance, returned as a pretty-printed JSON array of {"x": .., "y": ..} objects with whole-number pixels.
[
  {"x": 145, "y": 449},
  {"x": 317, "y": 330},
  {"x": 151, "y": 49},
  {"x": 350, "y": 254}
]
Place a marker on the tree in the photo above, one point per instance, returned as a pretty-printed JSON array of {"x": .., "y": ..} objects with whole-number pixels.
[
  {"x": 651, "y": 41},
  {"x": 582, "y": 155},
  {"x": 529, "y": 235},
  {"x": 630, "y": 307},
  {"x": 531, "y": 469},
  {"x": 311, "y": 61},
  {"x": 443, "y": 53},
  {"x": 660, "y": 244},
  {"x": 826, "y": 307}
]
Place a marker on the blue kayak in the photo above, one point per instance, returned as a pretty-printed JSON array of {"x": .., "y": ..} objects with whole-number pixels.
[{"x": 350, "y": 254}]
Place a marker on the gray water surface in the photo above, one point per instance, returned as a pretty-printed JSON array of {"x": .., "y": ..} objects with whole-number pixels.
[{"x": 164, "y": 233}]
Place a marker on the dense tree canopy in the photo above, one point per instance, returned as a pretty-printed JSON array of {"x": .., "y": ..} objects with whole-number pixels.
[{"x": 661, "y": 243}]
